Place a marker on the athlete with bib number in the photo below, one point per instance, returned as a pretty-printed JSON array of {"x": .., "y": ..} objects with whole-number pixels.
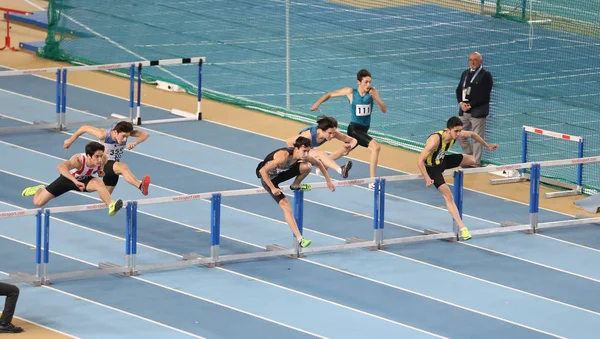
[
  {"x": 361, "y": 106},
  {"x": 433, "y": 161},
  {"x": 326, "y": 130},
  {"x": 115, "y": 141},
  {"x": 76, "y": 174}
]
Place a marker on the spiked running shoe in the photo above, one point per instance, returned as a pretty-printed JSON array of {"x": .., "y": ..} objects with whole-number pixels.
[
  {"x": 30, "y": 191},
  {"x": 114, "y": 207}
]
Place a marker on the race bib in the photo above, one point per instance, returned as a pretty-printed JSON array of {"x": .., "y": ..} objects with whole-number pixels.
[
  {"x": 116, "y": 154},
  {"x": 440, "y": 156},
  {"x": 363, "y": 110}
]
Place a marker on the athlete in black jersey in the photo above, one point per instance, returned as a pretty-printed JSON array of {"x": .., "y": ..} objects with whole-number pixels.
[
  {"x": 284, "y": 164},
  {"x": 433, "y": 161}
]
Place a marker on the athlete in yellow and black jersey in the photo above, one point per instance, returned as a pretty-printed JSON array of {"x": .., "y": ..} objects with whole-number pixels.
[{"x": 433, "y": 161}]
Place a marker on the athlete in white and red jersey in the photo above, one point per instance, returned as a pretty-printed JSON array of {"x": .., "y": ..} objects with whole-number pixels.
[
  {"x": 115, "y": 142},
  {"x": 76, "y": 174},
  {"x": 85, "y": 172}
]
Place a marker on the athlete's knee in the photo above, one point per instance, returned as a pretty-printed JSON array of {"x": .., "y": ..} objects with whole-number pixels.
[
  {"x": 375, "y": 146},
  {"x": 285, "y": 205},
  {"x": 446, "y": 193},
  {"x": 344, "y": 151},
  {"x": 95, "y": 185},
  {"x": 38, "y": 201},
  {"x": 41, "y": 198},
  {"x": 467, "y": 160},
  {"x": 120, "y": 167},
  {"x": 305, "y": 167}
]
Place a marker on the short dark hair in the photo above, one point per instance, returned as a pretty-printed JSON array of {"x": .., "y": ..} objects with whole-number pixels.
[
  {"x": 454, "y": 122},
  {"x": 123, "y": 127},
  {"x": 93, "y": 147},
  {"x": 361, "y": 74},
  {"x": 324, "y": 122},
  {"x": 302, "y": 141}
]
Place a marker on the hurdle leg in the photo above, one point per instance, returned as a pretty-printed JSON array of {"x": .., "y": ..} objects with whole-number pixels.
[
  {"x": 63, "y": 110},
  {"x": 534, "y": 197},
  {"x": 131, "y": 89},
  {"x": 38, "y": 248},
  {"x": 215, "y": 229},
  {"x": 58, "y": 98},
  {"x": 7, "y": 38},
  {"x": 138, "y": 118},
  {"x": 46, "y": 239},
  {"x": 299, "y": 216},
  {"x": 381, "y": 218},
  {"x": 199, "y": 109}
]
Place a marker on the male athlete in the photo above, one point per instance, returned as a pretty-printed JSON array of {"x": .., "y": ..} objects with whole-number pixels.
[
  {"x": 433, "y": 161},
  {"x": 284, "y": 164},
  {"x": 326, "y": 130},
  {"x": 361, "y": 104},
  {"x": 115, "y": 140},
  {"x": 76, "y": 174}
]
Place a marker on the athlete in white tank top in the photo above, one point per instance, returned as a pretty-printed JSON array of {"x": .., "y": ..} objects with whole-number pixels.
[{"x": 85, "y": 171}]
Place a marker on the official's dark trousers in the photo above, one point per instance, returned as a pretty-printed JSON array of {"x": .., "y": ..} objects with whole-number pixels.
[{"x": 12, "y": 295}]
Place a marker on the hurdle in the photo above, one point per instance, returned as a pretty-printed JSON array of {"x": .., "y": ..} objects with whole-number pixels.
[
  {"x": 130, "y": 268},
  {"x": 18, "y": 277},
  {"x": 7, "y": 12},
  {"x": 61, "y": 74},
  {"x": 571, "y": 189}
]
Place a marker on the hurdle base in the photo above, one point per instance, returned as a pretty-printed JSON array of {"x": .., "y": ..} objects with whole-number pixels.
[
  {"x": 194, "y": 256},
  {"x": 507, "y": 180},
  {"x": 429, "y": 231},
  {"x": 550, "y": 195},
  {"x": 274, "y": 247},
  {"x": 354, "y": 240},
  {"x": 22, "y": 277},
  {"x": 584, "y": 217},
  {"x": 110, "y": 266}
]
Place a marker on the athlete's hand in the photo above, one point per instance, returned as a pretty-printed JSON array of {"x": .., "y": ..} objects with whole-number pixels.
[
  {"x": 331, "y": 186},
  {"x": 67, "y": 143},
  {"x": 131, "y": 146},
  {"x": 101, "y": 173},
  {"x": 428, "y": 182},
  {"x": 314, "y": 107},
  {"x": 347, "y": 146},
  {"x": 276, "y": 191},
  {"x": 492, "y": 147},
  {"x": 80, "y": 185}
]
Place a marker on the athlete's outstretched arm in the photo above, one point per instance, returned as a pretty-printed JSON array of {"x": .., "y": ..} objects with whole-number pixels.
[
  {"x": 346, "y": 91},
  {"x": 99, "y": 133},
  {"x": 479, "y": 139},
  {"x": 141, "y": 137}
]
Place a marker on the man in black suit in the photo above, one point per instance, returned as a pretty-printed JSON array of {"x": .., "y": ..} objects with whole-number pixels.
[{"x": 473, "y": 96}]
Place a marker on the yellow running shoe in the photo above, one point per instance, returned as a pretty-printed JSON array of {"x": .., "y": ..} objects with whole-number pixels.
[
  {"x": 114, "y": 207},
  {"x": 30, "y": 191},
  {"x": 302, "y": 187},
  {"x": 304, "y": 243},
  {"x": 464, "y": 233}
]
